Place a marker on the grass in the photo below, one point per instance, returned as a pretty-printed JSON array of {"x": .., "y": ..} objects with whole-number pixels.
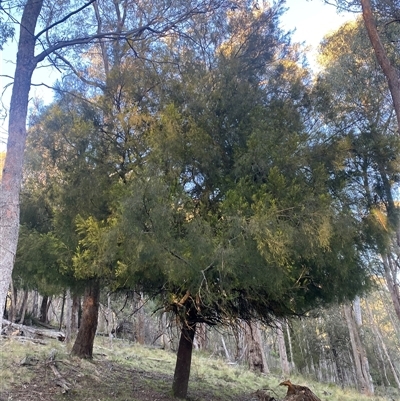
[{"x": 122, "y": 371}]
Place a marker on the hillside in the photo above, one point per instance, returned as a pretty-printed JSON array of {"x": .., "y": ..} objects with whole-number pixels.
[{"x": 123, "y": 371}]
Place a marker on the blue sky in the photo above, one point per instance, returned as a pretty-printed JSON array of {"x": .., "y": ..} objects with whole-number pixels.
[{"x": 311, "y": 20}]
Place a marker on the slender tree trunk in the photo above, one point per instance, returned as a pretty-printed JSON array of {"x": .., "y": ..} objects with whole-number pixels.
[
  {"x": 68, "y": 314},
  {"x": 12, "y": 171},
  {"x": 35, "y": 304},
  {"x": 391, "y": 273},
  {"x": 379, "y": 339},
  {"x": 24, "y": 305},
  {"x": 83, "y": 346},
  {"x": 140, "y": 318},
  {"x": 389, "y": 70},
  {"x": 12, "y": 313},
  {"x": 75, "y": 314},
  {"x": 360, "y": 357},
  {"x": 43, "y": 309},
  {"x": 292, "y": 365},
  {"x": 62, "y": 309},
  {"x": 227, "y": 356},
  {"x": 338, "y": 366},
  {"x": 282, "y": 350},
  {"x": 183, "y": 361}
]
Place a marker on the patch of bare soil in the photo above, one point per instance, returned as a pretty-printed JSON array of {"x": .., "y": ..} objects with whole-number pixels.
[{"x": 99, "y": 380}]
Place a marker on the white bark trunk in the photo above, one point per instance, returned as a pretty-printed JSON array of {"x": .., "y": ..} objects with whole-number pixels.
[
  {"x": 360, "y": 357},
  {"x": 68, "y": 314},
  {"x": 12, "y": 172},
  {"x": 282, "y": 350}
]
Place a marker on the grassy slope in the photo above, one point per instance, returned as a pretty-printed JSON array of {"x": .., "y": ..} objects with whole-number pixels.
[{"x": 122, "y": 371}]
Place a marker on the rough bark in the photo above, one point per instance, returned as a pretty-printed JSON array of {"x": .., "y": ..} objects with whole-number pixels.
[
  {"x": 12, "y": 171},
  {"x": 83, "y": 346},
  {"x": 183, "y": 361},
  {"x": 389, "y": 70}
]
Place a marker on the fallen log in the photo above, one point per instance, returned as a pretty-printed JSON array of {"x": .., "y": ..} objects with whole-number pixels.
[
  {"x": 14, "y": 329},
  {"x": 60, "y": 381}
]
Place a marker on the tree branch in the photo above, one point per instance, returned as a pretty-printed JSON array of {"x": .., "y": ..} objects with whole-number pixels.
[{"x": 64, "y": 19}]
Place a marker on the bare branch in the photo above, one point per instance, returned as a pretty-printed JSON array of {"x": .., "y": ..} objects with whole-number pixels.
[
  {"x": 64, "y": 19},
  {"x": 115, "y": 35}
]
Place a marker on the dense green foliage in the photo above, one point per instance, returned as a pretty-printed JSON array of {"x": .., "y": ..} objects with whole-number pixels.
[{"x": 206, "y": 187}]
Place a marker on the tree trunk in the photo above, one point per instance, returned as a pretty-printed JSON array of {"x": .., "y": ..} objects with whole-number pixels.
[
  {"x": 255, "y": 353},
  {"x": 12, "y": 312},
  {"x": 62, "y": 309},
  {"x": 140, "y": 318},
  {"x": 24, "y": 305},
  {"x": 35, "y": 303},
  {"x": 12, "y": 171},
  {"x": 391, "y": 273},
  {"x": 75, "y": 314},
  {"x": 83, "y": 346},
  {"x": 379, "y": 338},
  {"x": 389, "y": 70},
  {"x": 68, "y": 315},
  {"x": 44, "y": 309},
  {"x": 292, "y": 365},
  {"x": 183, "y": 361},
  {"x": 360, "y": 357},
  {"x": 282, "y": 350}
]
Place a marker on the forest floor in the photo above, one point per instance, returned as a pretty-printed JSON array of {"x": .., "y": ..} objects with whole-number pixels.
[{"x": 121, "y": 371}]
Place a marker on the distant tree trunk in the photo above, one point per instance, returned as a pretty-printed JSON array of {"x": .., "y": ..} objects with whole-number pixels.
[
  {"x": 379, "y": 339},
  {"x": 391, "y": 277},
  {"x": 62, "y": 309},
  {"x": 110, "y": 318},
  {"x": 140, "y": 318},
  {"x": 255, "y": 353},
  {"x": 24, "y": 305},
  {"x": 83, "y": 346},
  {"x": 360, "y": 356},
  {"x": 76, "y": 307},
  {"x": 44, "y": 309},
  {"x": 338, "y": 365},
  {"x": 282, "y": 349},
  {"x": 200, "y": 340},
  {"x": 68, "y": 314},
  {"x": 292, "y": 365},
  {"x": 165, "y": 339},
  {"x": 183, "y": 361},
  {"x": 12, "y": 312},
  {"x": 228, "y": 357}
]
